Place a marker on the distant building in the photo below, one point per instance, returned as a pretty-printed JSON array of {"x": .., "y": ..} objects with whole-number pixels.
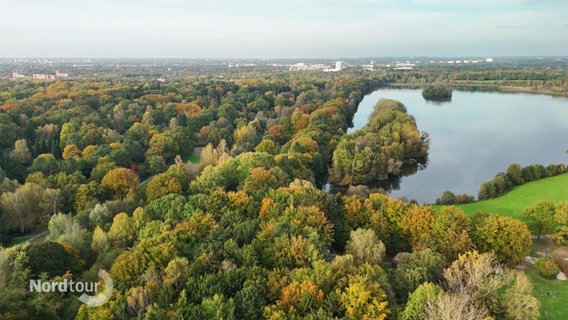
[
  {"x": 301, "y": 66},
  {"x": 17, "y": 75},
  {"x": 59, "y": 74},
  {"x": 40, "y": 76},
  {"x": 489, "y": 60},
  {"x": 338, "y": 67},
  {"x": 404, "y": 65}
]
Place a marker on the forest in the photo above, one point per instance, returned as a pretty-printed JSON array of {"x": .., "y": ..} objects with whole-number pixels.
[{"x": 203, "y": 198}]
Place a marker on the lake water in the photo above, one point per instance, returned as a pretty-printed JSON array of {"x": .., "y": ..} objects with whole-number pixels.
[{"x": 476, "y": 135}]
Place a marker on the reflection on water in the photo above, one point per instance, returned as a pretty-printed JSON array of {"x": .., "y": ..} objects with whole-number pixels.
[{"x": 475, "y": 136}]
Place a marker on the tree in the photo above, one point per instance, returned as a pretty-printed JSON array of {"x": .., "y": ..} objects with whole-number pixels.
[
  {"x": 51, "y": 198},
  {"x": 425, "y": 294},
  {"x": 122, "y": 231},
  {"x": 508, "y": 238},
  {"x": 161, "y": 185},
  {"x": 414, "y": 269},
  {"x": 447, "y": 197},
  {"x": 21, "y": 152},
  {"x": 218, "y": 307},
  {"x": 449, "y": 233},
  {"x": 518, "y": 301},
  {"x": 266, "y": 145},
  {"x": 364, "y": 299},
  {"x": 514, "y": 174},
  {"x": 476, "y": 276},
  {"x": 22, "y": 209},
  {"x": 99, "y": 241},
  {"x": 455, "y": 307},
  {"x": 416, "y": 225},
  {"x": 52, "y": 258},
  {"x": 64, "y": 228},
  {"x": 120, "y": 181},
  {"x": 249, "y": 302},
  {"x": 71, "y": 151},
  {"x": 156, "y": 164},
  {"x": 45, "y": 163},
  {"x": 365, "y": 247},
  {"x": 541, "y": 218}
]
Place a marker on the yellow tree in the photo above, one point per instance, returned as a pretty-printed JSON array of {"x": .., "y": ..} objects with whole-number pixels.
[
  {"x": 364, "y": 299},
  {"x": 71, "y": 150},
  {"x": 161, "y": 185},
  {"x": 120, "y": 181},
  {"x": 508, "y": 238}
]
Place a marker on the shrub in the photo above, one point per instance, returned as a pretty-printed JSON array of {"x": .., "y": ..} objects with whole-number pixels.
[
  {"x": 561, "y": 237},
  {"x": 546, "y": 268}
]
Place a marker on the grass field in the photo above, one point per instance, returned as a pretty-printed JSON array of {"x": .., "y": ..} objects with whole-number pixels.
[
  {"x": 553, "y": 306},
  {"x": 194, "y": 158},
  {"x": 512, "y": 203}
]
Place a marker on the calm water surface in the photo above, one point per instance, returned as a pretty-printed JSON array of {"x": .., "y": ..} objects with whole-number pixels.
[{"x": 476, "y": 135}]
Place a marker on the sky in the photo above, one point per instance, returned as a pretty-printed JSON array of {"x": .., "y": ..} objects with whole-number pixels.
[{"x": 282, "y": 28}]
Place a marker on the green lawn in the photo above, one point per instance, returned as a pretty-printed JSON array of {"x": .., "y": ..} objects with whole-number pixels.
[
  {"x": 512, "y": 203},
  {"x": 555, "y": 305},
  {"x": 194, "y": 158},
  {"x": 555, "y": 189}
]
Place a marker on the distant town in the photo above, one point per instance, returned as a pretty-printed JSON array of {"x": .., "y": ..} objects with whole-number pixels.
[{"x": 44, "y": 69}]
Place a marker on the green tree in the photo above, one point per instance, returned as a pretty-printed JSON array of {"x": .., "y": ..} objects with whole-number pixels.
[
  {"x": 514, "y": 174},
  {"x": 266, "y": 145},
  {"x": 45, "y": 163},
  {"x": 414, "y": 269},
  {"x": 249, "y": 302},
  {"x": 52, "y": 258},
  {"x": 447, "y": 197},
  {"x": 218, "y": 308},
  {"x": 425, "y": 294},
  {"x": 541, "y": 218}
]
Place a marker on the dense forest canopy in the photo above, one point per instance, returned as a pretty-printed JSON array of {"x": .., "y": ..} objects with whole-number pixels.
[
  {"x": 389, "y": 141},
  {"x": 201, "y": 195},
  {"x": 437, "y": 93}
]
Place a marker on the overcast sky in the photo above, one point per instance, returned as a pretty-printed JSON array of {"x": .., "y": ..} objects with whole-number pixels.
[{"x": 282, "y": 28}]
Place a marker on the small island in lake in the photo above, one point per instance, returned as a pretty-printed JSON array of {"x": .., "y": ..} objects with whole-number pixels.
[{"x": 437, "y": 93}]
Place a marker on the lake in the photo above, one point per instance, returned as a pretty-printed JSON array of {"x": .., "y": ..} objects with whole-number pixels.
[{"x": 476, "y": 135}]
